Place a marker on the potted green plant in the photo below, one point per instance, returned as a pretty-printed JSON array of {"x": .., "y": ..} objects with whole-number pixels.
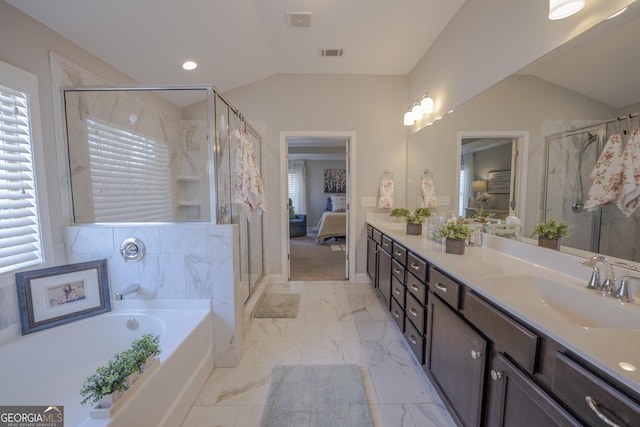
[
  {"x": 105, "y": 386},
  {"x": 147, "y": 347},
  {"x": 109, "y": 381},
  {"x": 455, "y": 234},
  {"x": 481, "y": 215},
  {"x": 550, "y": 232},
  {"x": 414, "y": 218}
]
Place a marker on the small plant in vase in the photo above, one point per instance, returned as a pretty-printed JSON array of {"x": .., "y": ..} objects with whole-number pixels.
[
  {"x": 414, "y": 218},
  {"x": 456, "y": 233},
  {"x": 550, "y": 232},
  {"x": 481, "y": 215}
]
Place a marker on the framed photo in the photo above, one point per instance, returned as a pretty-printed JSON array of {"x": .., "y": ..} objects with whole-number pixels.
[
  {"x": 499, "y": 182},
  {"x": 53, "y": 296},
  {"x": 335, "y": 180}
]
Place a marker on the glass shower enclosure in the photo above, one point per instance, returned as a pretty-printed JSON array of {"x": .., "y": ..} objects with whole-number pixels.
[
  {"x": 159, "y": 154},
  {"x": 570, "y": 159}
]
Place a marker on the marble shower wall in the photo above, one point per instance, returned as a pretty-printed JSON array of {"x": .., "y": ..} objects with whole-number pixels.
[{"x": 182, "y": 261}]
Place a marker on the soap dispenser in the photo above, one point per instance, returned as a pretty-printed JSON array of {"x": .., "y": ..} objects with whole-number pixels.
[{"x": 512, "y": 223}]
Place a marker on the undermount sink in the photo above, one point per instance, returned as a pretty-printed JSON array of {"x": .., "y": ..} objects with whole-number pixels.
[{"x": 570, "y": 303}]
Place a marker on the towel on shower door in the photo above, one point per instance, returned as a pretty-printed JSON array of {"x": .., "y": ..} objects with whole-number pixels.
[
  {"x": 428, "y": 198},
  {"x": 385, "y": 194},
  {"x": 248, "y": 189},
  {"x": 606, "y": 175},
  {"x": 629, "y": 199}
]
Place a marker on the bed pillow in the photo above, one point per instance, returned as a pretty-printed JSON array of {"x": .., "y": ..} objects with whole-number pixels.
[{"x": 338, "y": 203}]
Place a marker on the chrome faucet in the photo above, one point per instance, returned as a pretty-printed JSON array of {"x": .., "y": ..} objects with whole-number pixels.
[
  {"x": 608, "y": 287},
  {"x": 133, "y": 288}
]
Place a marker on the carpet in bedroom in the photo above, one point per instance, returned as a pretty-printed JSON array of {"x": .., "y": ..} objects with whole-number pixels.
[{"x": 313, "y": 262}]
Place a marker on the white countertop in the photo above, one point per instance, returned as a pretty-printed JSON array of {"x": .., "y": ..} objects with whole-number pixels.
[{"x": 484, "y": 269}]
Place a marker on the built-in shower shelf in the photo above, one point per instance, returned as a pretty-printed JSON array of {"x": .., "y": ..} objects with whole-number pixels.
[
  {"x": 189, "y": 203},
  {"x": 187, "y": 178}
]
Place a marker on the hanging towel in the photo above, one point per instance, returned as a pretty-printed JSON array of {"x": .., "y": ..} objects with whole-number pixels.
[
  {"x": 428, "y": 198},
  {"x": 247, "y": 189},
  {"x": 606, "y": 175},
  {"x": 385, "y": 194},
  {"x": 629, "y": 199}
]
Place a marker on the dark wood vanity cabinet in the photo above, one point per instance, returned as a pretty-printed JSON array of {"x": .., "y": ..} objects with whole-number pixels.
[
  {"x": 372, "y": 260},
  {"x": 513, "y": 399},
  {"x": 384, "y": 272},
  {"x": 456, "y": 362}
]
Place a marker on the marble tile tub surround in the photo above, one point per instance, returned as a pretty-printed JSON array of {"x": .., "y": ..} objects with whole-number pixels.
[
  {"x": 337, "y": 323},
  {"x": 195, "y": 261}
]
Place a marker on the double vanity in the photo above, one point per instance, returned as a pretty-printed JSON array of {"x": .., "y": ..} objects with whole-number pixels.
[{"x": 508, "y": 333}]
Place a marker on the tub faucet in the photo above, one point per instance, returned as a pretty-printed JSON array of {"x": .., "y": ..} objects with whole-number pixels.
[
  {"x": 608, "y": 287},
  {"x": 133, "y": 288}
]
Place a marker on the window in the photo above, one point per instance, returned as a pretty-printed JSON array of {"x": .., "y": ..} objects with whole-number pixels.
[
  {"x": 296, "y": 181},
  {"x": 20, "y": 237},
  {"x": 130, "y": 178},
  {"x": 462, "y": 192}
]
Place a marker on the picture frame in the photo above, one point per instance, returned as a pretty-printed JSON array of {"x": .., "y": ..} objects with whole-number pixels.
[
  {"x": 499, "y": 182},
  {"x": 335, "y": 180},
  {"x": 57, "y": 295}
]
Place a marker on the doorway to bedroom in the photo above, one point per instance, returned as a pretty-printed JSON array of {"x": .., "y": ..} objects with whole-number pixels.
[{"x": 317, "y": 189}]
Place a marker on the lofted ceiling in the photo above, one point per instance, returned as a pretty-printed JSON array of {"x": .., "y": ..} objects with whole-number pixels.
[{"x": 236, "y": 42}]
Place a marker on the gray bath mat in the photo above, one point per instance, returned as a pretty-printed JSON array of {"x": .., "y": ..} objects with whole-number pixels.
[
  {"x": 316, "y": 396},
  {"x": 278, "y": 305}
]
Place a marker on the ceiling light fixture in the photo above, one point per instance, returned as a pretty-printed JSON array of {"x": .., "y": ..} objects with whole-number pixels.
[
  {"x": 189, "y": 65},
  {"x": 426, "y": 103},
  {"x": 408, "y": 119},
  {"x": 560, "y": 9},
  {"x": 618, "y": 13}
]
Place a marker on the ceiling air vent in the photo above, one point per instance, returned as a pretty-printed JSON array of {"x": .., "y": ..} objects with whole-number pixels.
[
  {"x": 299, "y": 19},
  {"x": 331, "y": 52}
]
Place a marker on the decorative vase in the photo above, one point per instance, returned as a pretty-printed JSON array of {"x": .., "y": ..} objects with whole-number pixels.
[
  {"x": 415, "y": 229},
  {"x": 454, "y": 246},
  {"x": 107, "y": 401},
  {"x": 551, "y": 243}
]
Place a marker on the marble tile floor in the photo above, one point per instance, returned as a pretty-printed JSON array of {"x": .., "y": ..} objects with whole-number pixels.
[{"x": 338, "y": 322}]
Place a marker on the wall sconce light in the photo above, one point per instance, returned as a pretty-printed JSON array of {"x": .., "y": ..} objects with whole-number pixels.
[
  {"x": 560, "y": 9},
  {"x": 424, "y": 105},
  {"x": 408, "y": 119}
]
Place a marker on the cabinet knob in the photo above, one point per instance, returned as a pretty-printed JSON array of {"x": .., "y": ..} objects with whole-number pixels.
[
  {"x": 415, "y": 266},
  {"x": 496, "y": 375},
  {"x": 475, "y": 354},
  {"x": 441, "y": 287}
]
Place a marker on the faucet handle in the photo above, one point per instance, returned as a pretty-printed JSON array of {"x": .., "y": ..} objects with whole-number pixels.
[
  {"x": 594, "y": 281},
  {"x": 624, "y": 292}
]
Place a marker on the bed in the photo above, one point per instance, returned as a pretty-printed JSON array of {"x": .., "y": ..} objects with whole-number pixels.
[{"x": 331, "y": 224}]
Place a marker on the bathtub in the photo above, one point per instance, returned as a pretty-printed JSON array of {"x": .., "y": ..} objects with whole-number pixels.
[{"x": 48, "y": 367}]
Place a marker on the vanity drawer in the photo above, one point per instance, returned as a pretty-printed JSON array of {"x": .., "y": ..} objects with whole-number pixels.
[
  {"x": 415, "y": 312},
  {"x": 370, "y": 231},
  {"x": 397, "y": 313},
  {"x": 509, "y": 336},
  {"x": 575, "y": 386},
  {"x": 445, "y": 287},
  {"x": 397, "y": 270},
  {"x": 416, "y": 288},
  {"x": 386, "y": 243},
  {"x": 398, "y": 291},
  {"x": 417, "y": 266},
  {"x": 400, "y": 253},
  {"x": 415, "y": 341},
  {"x": 377, "y": 236}
]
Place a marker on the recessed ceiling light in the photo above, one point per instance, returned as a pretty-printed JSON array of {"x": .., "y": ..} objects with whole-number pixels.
[{"x": 189, "y": 65}]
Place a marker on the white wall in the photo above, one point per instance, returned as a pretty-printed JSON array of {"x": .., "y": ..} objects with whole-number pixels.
[{"x": 371, "y": 106}]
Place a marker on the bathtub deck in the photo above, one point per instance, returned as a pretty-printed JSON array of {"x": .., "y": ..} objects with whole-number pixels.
[{"x": 337, "y": 323}]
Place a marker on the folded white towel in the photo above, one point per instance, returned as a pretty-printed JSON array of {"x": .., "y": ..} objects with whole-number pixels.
[
  {"x": 629, "y": 199},
  {"x": 385, "y": 194},
  {"x": 606, "y": 175},
  {"x": 428, "y": 198}
]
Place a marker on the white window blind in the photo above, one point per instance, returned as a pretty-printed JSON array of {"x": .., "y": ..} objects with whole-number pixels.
[
  {"x": 20, "y": 242},
  {"x": 463, "y": 192},
  {"x": 130, "y": 176}
]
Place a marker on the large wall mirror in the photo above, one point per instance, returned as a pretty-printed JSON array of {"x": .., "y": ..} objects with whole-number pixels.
[
  {"x": 561, "y": 109},
  {"x": 139, "y": 155}
]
